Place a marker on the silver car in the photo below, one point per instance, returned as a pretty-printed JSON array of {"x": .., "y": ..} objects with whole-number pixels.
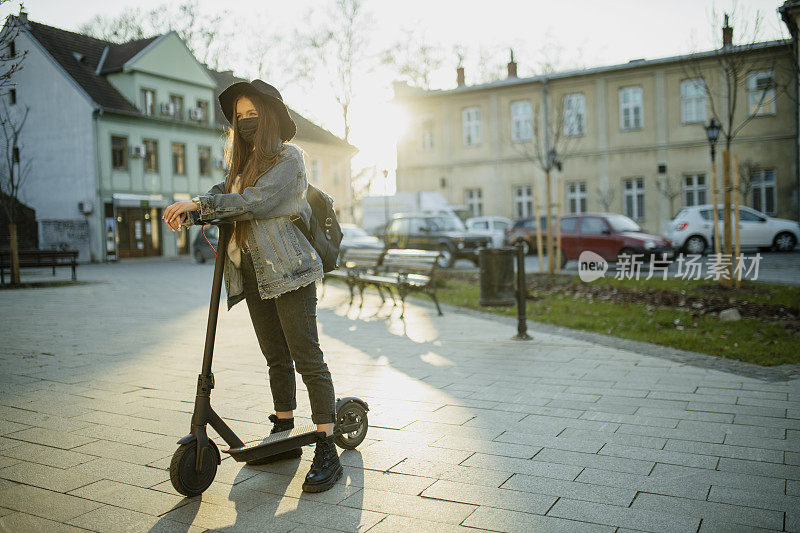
[{"x": 692, "y": 229}]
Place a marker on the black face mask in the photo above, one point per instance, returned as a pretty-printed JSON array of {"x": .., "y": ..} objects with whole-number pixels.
[{"x": 247, "y": 128}]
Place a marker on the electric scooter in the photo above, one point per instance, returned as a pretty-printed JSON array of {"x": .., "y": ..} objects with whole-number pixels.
[{"x": 194, "y": 463}]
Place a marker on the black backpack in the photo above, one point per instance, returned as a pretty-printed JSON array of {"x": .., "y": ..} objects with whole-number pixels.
[{"x": 325, "y": 235}]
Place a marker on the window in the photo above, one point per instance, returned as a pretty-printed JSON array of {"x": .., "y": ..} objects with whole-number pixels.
[
  {"x": 12, "y": 48},
  {"x": 574, "y": 115},
  {"x": 119, "y": 152},
  {"x": 576, "y": 197},
  {"x": 593, "y": 225},
  {"x": 203, "y": 105},
  {"x": 569, "y": 225},
  {"x": 204, "y": 156},
  {"x": 148, "y": 102},
  {"x": 761, "y": 92},
  {"x": 316, "y": 171},
  {"x": 521, "y": 128},
  {"x": 177, "y": 102},
  {"x": 694, "y": 189},
  {"x": 178, "y": 158},
  {"x": 150, "y": 155},
  {"x": 633, "y": 195},
  {"x": 749, "y": 216},
  {"x": 475, "y": 201},
  {"x": 763, "y": 189},
  {"x": 693, "y": 101},
  {"x": 13, "y": 96},
  {"x": 471, "y": 125},
  {"x": 499, "y": 225},
  {"x": 426, "y": 134},
  {"x": 523, "y": 201},
  {"x": 630, "y": 108}
]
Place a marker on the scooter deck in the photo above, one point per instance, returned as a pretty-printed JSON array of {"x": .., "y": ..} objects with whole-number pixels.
[{"x": 274, "y": 443}]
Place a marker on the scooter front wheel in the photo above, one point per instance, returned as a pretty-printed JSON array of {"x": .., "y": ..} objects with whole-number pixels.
[
  {"x": 351, "y": 414},
  {"x": 184, "y": 475}
]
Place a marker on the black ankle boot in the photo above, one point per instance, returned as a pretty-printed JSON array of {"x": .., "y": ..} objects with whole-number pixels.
[
  {"x": 279, "y": 424},
  {"x": 325, "y": 468}
]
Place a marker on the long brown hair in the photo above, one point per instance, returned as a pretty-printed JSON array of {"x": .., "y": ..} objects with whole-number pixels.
[{"x": 249, "y": 163}]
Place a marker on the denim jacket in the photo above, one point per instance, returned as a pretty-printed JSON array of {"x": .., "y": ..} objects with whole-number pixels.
[{"x": 283, "y": 258}]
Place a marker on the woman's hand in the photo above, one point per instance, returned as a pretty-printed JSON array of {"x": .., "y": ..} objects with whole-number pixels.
[{"x": 174, "y": 215}]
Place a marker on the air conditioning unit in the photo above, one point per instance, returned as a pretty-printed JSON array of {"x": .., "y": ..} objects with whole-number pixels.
[
  {"x": 137, "y": 150},
  {"x": 85, "y": 207},
  {"x": 196, "y": 113},
  {"x": 167, "y": 108}
]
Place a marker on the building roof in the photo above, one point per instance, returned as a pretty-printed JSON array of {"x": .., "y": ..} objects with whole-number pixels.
[
  {"x": 79, "y": 55},
  {"x": 632, "y": 64}
]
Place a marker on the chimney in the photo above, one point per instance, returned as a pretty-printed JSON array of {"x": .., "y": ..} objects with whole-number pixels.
[
  {"x": 512, "y": 66},
  {"x": 23, "y": 18},
  {"x": 727, "y": 33},
  {"x": 460, "y": 76}
]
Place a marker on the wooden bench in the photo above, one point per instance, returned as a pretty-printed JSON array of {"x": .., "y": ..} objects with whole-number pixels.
[
  {"x": 39, "y": 258},
  {"x": 354, "y": 262},
  {"x": 405, "y": 271}
]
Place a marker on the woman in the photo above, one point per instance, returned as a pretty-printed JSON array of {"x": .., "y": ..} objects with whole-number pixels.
[{"x": 269, "y": 262}]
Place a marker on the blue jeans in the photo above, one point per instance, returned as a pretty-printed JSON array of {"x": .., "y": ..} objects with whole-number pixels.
[{"x": 286, "y": 328}]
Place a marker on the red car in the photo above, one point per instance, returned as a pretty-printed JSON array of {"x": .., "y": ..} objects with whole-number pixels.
[{"x": 608, "y": 235}]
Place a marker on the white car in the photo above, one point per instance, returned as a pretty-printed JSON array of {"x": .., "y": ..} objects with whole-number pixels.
[
  {"x": 691, "y": 230},
  {"x": 494, "y": 227}
]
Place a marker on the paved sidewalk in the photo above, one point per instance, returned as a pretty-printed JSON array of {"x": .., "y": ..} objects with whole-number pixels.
[{"x": 469, "y": 430}]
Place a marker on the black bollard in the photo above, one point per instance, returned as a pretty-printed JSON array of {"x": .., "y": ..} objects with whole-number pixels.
[{"x": 522, "y": 317}]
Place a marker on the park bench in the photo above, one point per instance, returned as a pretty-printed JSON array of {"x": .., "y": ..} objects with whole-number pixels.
[
  {"x": 354, "y": 262},
  {"x": 39, "y": 258},
  {"x": 405, "y": 271}
]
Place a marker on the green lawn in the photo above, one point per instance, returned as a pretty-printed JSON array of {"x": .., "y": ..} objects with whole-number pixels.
[{"x": 764, "y": 342}]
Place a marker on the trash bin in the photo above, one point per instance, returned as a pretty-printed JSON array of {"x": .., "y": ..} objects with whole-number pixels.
[{"x": 497, "y": 276}]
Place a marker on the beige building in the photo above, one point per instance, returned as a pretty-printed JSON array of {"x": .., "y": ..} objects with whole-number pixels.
[{"x": 627, "y": 133}]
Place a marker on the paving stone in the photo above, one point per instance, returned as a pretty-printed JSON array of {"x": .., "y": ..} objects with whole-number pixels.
[
  {"x": 616, "y": 464},
  {"x": 488, "y": 447},
  {"x": 686, "y": 487},
  {"x": 394, "y": 523},
  {"x": 44, "y": 503},
  {"x": 128, "y": 473},
  {"x": 759, "y": 468},
  {"x": 48, "y": 437},
  {"x": 718, "y": 511},
  {"x": 524, "y": 466},
  {"x": 46, "y": 477},
  {"x": 129, "y": 497},
  {"x": 409, "y": 505},
  {"x": 660, "y": 456},
  {"x": 47, "y": 455},
  {"x": 616, "y": 438},
  {"x": 515, "y": 522},
  {"x": 718, "y": 477},
  {"x": 464, "y": 474},
  {"x": 714, "y": 407},
  {"x": 749, "y": 498},
  {"x": 725, "y": 450},
  {"x": 501, "y": 498},
  {"x": 28, "y": 522},
  {"x": 718, "y": 526},
  {"x": 111, "y": 518},
  {"x": 120, "y": 451},
  {"x": 770, "y": 444},
  {"x": 612, "y": 515},
  {"x": 558, "y": 443},
  {"x": 314, "y": 513},
  {"x": 571, "y": 489}
]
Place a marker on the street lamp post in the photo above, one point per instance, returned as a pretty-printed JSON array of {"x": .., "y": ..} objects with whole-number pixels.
[{"x": 712, "y": 133}]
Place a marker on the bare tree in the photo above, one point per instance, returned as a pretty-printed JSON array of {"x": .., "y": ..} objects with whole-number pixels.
[
  {"x": 340, "y": 47},
  {"x": 412, "y": 59},
  {"x": 12, "y": 175},
  {"x": 205, "y": 36},
  {"x": 546, "y": 146},
  {"x": 670, "y": 188},
  {"x": 605, "y": 196},
  {"x": 11, "y": 59},
  {"x": 737, "y": 67}
]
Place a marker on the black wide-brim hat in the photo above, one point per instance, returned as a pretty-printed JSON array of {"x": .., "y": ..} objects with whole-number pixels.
[{"x": 268, "y": 94}]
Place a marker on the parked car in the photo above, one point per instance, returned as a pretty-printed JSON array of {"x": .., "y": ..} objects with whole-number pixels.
[
  {"x": 490, "y": 226},
  {"x": 608, "y": 235},
  {"x": 200, "y": 248},
  {"x": 445, "y": 233},
  {"x": 525, "y": 229},
  {"x": 356, "y": 237},
  {"x": 692, "y": 229}
]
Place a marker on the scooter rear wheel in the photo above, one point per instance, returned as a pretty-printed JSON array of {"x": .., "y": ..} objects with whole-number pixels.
[
  {"x": 351, "y": 412},
  {"x": 182, "y": 472}
]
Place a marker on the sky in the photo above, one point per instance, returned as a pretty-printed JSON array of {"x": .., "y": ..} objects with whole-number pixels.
[{"x": 574, "y": 33}]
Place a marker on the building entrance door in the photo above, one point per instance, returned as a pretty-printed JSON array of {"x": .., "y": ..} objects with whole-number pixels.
[{"x": 139, "y": 231}]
